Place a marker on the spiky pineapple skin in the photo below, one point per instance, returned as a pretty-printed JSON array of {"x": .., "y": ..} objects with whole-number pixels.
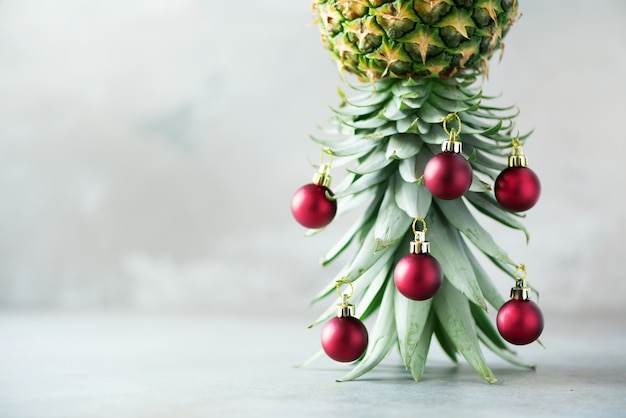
[{"x": 377, "y": 39}]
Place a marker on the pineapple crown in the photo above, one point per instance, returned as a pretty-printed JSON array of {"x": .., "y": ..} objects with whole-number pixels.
[{"x": 376, "y": 39}]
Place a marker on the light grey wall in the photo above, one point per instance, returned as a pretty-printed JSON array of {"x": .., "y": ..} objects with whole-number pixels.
[{"x": 149, "y": 150}]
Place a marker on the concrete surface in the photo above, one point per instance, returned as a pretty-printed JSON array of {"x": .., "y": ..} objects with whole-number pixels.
[{"x": 157, "y": 366}]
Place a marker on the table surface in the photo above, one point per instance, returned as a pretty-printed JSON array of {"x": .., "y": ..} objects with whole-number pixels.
[{"x": 177, "y": 365}]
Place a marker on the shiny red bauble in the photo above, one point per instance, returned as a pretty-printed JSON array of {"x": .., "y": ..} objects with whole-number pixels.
[
  {"x": 418, "y": 276},
  {"x": 520, "y": 321},
  {"x": 448, "y": 175},
  {"x": 344, "y": 338},
  {"x": 517, "y": 188},
  {"x": 312, "y": 206}
]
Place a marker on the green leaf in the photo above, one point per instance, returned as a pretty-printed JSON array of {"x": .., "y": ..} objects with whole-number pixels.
[
  {"x": 364, "y": 285},
  {"x": 447, "y": 247},
  {"x": 418, "y": 359},
  {"x": 452, "y": 105},
  {"x": 486, "y": 326},
  {"x": 374, "y": 161},
  {"x": 430, "y": 114},
  {"x": 407, "y": 170},
  {"x": 458, "y": 215},
  {"x": 403, "y": 146},
  {"x": 349, "y": 110},
  {"x": 436, "y": 135},
  {"x": 392, "y": 222},
  {"x": 370, "y": 123},
  {"x": 358, "y": 225},
  {"x": 393, "y": 111},
  {"x": 489, "y": 290},
  {"x": 454, "y": 92},
  {"x": 444, "y": 340},
  {"x": 349, "y": 203},
  {"x": 409, "y": 124},
  {"x": 311, "y": 359},
  {"x": 478, "y": 185},
  {"x": 504, "y": 354},
  {"x": 453, "y": 312},
  {"x": 365, "y": 181},
  {"x": 412, "y": 198},
  {"x": 383, "y": 337},
  {"x": 487, "y": 205},
  {"x": 411, "y": 317}
]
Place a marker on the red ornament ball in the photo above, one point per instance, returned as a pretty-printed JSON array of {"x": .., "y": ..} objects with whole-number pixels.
[
  {"x": 519, "y": 321},
  {"x": 344, "y": 338},
  {"x": 418, "y": 276},
  {"x": 517, "y": 188},
  {"x": 312, "y": 207},
  {"x": 448, "y": 175}
]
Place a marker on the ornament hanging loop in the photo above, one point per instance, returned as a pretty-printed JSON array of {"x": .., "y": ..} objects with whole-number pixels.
[
  {"x": 452, "y": 117},
  {"x": 452, "y": 144},
  {"x": 322, "y": 177},
  {"x": 419, "y": 245},
  {"x": 344, "y": 309},
  {"x": 414, "y": 227}
]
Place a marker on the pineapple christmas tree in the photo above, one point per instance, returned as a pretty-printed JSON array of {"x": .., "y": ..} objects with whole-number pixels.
[{"x": 424, "y": 152}]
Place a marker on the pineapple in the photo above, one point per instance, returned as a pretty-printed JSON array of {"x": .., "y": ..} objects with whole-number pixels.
[
  {"x": 413, "y": 38},
  {"x": 418, "y": 62}
]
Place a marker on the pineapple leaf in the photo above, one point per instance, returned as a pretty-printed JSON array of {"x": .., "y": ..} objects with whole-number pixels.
[
  {"x": 447, "y": 247},
  {"x": 383, "y": 337},
  {"x": 452, "y": 105},
  {"x": 444, "y": 340},
  {"x": 391, "y": 222},
  {"x": 430, "y": 114},
  {"x": 403, "y": 146},
  {"x": 411, "y": 318},
  {"x": 418, "y": 359},
  {"x": 458, "y": 215},
  {"x": 478, "y": 185},
  {"x": 365, "y": 181},
  {"x": 413, "y": 199},
  {"x": 483, "y": 322},
  {"x": 491, "y": 293},
  {"x": 373, "y": 161},
  {"x": 407, "y": 170},
  {"x": 363, "y": 286},
  {"x": 453, "y": 312},
  {"x": 311, "y": 359},
  {"x": 488, "y": 206},
  {"x": 408, "y": 125},
  {"x": 504, "y": 354},
  {"x": 358, "y": 225}
]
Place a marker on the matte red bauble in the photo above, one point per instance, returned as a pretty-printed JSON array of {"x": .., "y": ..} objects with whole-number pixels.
[
  {"x": 344, "y": 338},
  {"x": 517, "y": 188},
  {"x": 448, "y": 175},
  {"x": 418, "y": 276},
  {"x": 520, "y": 321},
  {"x": 312, "y": 206}
]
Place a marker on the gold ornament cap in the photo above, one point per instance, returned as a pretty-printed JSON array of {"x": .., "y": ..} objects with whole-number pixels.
[
  {"x": 322, "y": 177},
  {"x": 517, "y": 157}
]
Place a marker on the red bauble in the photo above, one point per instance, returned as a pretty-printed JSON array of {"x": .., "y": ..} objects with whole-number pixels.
[
  {"x": 520, "y": 321},
  {"x": 344, "y": 338},
  {"x": 312, "y": 207},
  {"x": 418, "y": 276},
  {"x": 517, "y": 188},
  {"x": 448, "y": 175}
]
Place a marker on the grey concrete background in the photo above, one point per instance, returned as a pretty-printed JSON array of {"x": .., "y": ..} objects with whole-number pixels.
[{"x": 149, "y": 150}]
